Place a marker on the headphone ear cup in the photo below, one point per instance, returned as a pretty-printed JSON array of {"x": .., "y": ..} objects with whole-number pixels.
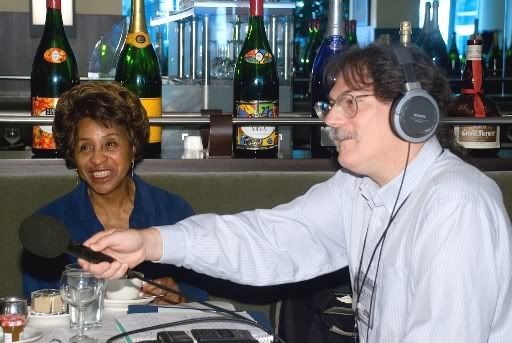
[{"x": 414, "y": 116}]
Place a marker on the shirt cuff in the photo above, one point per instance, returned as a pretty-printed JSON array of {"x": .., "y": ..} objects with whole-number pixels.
[{"x": 173, "y": 245}]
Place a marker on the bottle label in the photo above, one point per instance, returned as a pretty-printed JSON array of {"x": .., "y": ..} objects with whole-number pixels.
[
  {"x": 53, "y": 4},
  {"x": 256, "y": 137},
  {"x": 55, "y": 55},
  {"x": 42, "y": 136},
  {"x": 478, "y": 137},
  {"x": 153, "y": 108},
  {"x": 139, "y": 39},
  {"x": 258, "y": 56},
  {"x": 473, "y": 52}
]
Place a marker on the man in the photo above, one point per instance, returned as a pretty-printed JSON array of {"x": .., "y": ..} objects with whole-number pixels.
[{"x": 425, "y": 235}]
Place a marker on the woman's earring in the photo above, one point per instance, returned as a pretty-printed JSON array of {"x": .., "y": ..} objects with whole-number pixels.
[
  {"x": 77, "y": 177},
  {"x": 133, "y": 165}
]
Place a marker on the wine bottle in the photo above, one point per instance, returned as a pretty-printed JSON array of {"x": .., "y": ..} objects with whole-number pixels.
[
  {"x": 494, "y": 58},
  {"x": 334, "y": 43},
  {"x": 138, "y": 70},
  {"x": 405, "y": 33},
  {"x": 301, "y": 64},
  {"x": 54, "y": 71},
  {"x": 508, "y": 60},
  {"x": 313, "y": 48},
  {"x": 426, "y": 26},
  {"x": 256, "y": 90},
  {"x": 454, "y": 58},
  {"x": 482, "y": 140},
  {"x": 434, "y": 44},
  {"x": 352, "y": 35}
]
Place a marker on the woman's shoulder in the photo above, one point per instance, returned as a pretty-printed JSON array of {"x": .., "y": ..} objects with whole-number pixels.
[{"x": 59, "y": 206}]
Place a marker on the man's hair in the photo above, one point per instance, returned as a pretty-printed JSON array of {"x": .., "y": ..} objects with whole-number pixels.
[
  {"x": 376, "y": 66},
  {"x": 109, "y": 104}
]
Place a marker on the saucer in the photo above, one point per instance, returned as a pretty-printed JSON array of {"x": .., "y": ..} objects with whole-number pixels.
[
  {"x": 29, "y": 335},
  {"x": 123, "y": 304}
]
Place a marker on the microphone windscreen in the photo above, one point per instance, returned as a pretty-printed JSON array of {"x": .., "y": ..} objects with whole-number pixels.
[{"x": 44, "y": 236}]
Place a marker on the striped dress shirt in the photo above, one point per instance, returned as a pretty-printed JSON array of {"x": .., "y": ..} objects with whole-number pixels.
[{"x": 446, "y": 263}]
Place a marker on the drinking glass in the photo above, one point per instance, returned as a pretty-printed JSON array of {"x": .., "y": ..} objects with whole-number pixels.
[
  {"x": 13, "y": 305},
  {"x": 12, "y": 135},
  {"x": 79, "y": 288},
  {"x": 92, "y": 312}
]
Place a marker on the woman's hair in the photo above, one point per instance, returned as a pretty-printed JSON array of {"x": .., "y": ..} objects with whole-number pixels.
[
  {"x": 377, "y": 67},
  {"x": 107, "y": 103}
]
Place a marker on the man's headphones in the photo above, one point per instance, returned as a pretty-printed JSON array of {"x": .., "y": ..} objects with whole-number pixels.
[{"x": 414, "y": 116}]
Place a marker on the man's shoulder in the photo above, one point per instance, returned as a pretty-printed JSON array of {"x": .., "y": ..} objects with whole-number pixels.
[{"x": 451, "y": 175}]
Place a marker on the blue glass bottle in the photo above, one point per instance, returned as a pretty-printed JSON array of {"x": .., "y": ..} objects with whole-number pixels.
[{"x": 334, "y": 43}]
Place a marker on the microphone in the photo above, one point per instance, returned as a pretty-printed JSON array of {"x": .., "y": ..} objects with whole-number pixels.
[{"x": 47, "y": 237}]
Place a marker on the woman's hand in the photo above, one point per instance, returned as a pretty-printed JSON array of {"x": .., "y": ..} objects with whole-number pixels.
[{"x": 163, "y": 297}]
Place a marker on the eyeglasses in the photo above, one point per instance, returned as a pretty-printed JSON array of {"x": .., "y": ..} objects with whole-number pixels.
[{"x": 346, "y": 101}]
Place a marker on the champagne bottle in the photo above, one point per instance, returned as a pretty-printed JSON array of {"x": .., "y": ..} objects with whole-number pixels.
[
  {"x": 405, "y": 33},
  {"x": 334, "y": 43},
  {"x": 54, "y": 71},
  {"x": 434, "y": 44},
  {"x": 482, "y": 140},
  {"x": 495, "y": 58},
  {"x": 453, "y": 55},
  {"x": 426, "y": 26},
  {"x": 139, "y": 71},
  {"x": 256, "y": 90}
]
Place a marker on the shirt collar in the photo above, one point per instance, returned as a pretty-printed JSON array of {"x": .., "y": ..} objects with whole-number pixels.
[{"x": 386, "y": 195}]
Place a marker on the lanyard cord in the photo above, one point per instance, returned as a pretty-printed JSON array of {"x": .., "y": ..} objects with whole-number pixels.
[{"x": 359, "y": 287}]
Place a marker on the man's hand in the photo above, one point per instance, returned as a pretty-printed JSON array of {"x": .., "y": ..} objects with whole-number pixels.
[
  {"x": 128, "y": 247},
  {"x": 163, "y": 297}
]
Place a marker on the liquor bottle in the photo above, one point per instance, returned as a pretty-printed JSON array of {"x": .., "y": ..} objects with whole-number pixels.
[
  {"x": 334, "y": 43},
  {"x": 256, "y": 90},
  {"x": 405, "y": 33},
  {"x": 453, "y": 55},
  {"x": 426, "y": 26},
  {"x": 54, "y": 71},
  {"x": 313, "y": 48},
  {"x": 351, "y": 34},
  {"x": 434, "y": 44},
  {"x": 494, "y": 58},
  {"x": 301, "y": 63},
  {"x": 138, "y": 70},
  {"x": 508, "y": 60},
  {"x": 482, "y": 140}
]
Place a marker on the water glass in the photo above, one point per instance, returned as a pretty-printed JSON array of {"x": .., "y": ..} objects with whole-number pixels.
[
  {"x": 93, "y": 312},
  {"x": 80, "y": 288}
]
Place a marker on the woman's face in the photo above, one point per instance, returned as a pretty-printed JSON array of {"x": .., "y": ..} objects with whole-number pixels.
[{"x": 103, "y": 156}]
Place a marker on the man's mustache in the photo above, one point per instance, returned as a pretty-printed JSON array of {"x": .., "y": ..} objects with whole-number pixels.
[{"x": 338, "y": 134}]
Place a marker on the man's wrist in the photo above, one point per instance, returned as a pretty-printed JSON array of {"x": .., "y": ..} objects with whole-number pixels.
[{"x": 152, "y": 244}]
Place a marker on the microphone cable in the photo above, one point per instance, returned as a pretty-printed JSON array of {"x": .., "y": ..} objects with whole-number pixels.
[
  {"x": 228, "y": 314},
  {"x": 194, "y": 321}
]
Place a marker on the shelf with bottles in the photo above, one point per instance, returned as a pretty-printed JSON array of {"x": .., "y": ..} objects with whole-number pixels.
[{"x": 205, "y": 38}]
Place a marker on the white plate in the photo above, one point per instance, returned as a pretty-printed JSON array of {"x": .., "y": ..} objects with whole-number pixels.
[
  {"x": 29, "y": 335},
  {"x": 123, "y": 304},
  {"x": 46, "y": 320}
]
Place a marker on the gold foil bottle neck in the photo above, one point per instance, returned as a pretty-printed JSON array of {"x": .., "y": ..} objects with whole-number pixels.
[{"x": 138, "y": 18}]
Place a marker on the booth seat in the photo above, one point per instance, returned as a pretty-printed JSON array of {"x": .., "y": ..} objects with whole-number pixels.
[{"x": 27, "y": 185}]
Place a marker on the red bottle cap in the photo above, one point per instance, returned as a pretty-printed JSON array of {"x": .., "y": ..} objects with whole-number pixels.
[
  {"x": 256, "y": 8},
  {"x": 55, "y": 4}
]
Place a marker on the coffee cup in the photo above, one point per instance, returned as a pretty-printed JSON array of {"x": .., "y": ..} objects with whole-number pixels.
[{"x": 123, "y": 289}]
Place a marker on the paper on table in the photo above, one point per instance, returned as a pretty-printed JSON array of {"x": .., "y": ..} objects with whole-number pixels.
[{"x": 131, "y": 322}]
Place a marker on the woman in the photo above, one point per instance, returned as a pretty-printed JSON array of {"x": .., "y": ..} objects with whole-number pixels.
[{"x": 100, "y": 129}]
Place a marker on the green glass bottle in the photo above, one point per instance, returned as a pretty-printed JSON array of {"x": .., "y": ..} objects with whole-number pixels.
[
  {"x": 256, "y": 90},
  {"x": 54, "y": 71},
  {"x": 495, "y": 57},
  {"x": 352, "y": 34},
  {"x": 454, "y": 67},
  {"x": 139, "y": 71}
]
